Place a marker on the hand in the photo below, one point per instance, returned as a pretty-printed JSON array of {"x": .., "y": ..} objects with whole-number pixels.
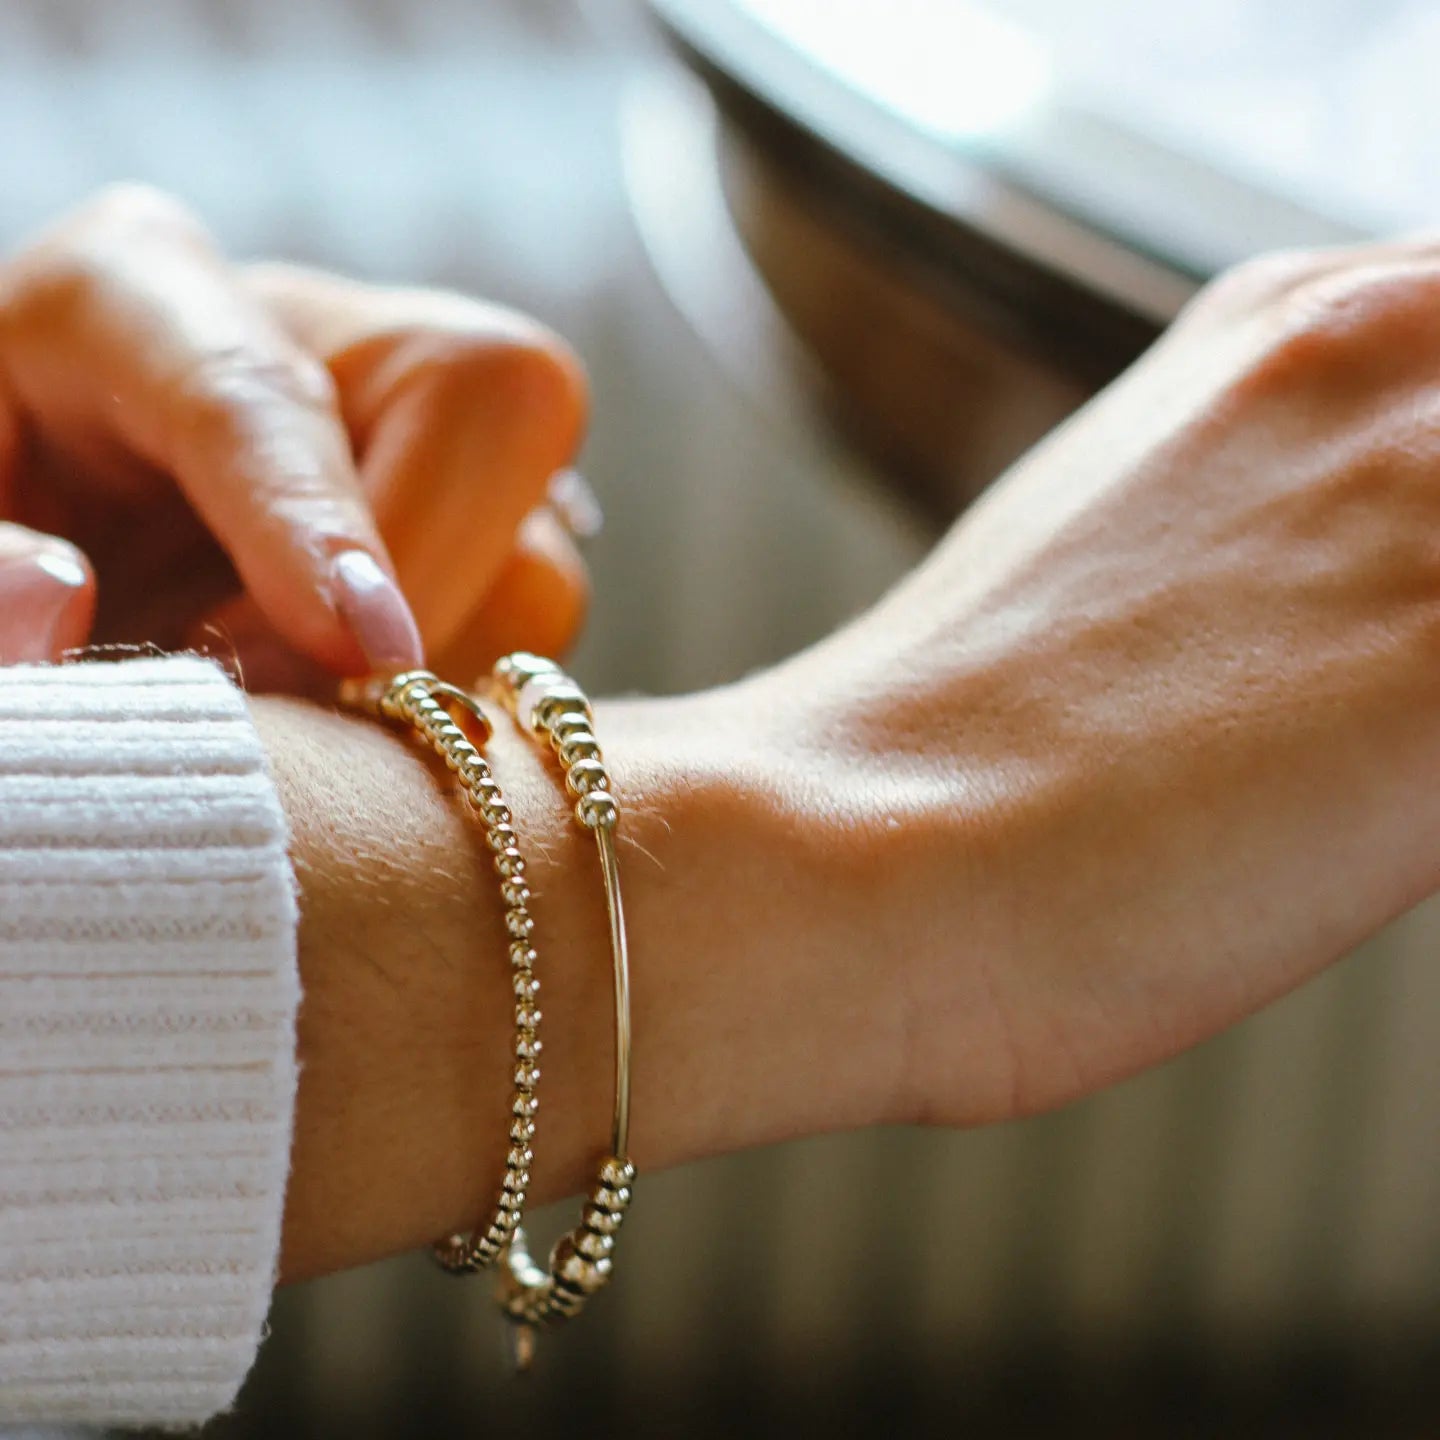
[
  {"x": 1155, "y": 734},
  {"x": 1147, "y": 741},
  {"x": 225, "y": 447}
]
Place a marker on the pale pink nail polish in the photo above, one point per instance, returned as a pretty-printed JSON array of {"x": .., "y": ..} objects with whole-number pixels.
[
  {"x": 37, "y": 589},
  {"x": 377, "y": 613},
  {"x": 576, "y": 504}
]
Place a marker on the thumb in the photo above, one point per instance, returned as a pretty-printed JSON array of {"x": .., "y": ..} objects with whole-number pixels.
[
  {"x": 47, "y": 596},
  {"x": 47, "y": 592}
]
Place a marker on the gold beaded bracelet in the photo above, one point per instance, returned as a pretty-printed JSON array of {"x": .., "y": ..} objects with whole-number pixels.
[
  {"x": 549, "y": 706},
  {"x": 427, "y": 703}
]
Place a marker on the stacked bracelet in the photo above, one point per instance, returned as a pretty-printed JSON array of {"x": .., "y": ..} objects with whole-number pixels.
[
  {"x": 553, "y": 710},
  {"x": 425, "y": 702}
]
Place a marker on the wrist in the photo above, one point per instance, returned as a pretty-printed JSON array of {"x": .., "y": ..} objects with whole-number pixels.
[
  {"x": 754, "y": 1019},
  {"x": 916, "y": 807}
]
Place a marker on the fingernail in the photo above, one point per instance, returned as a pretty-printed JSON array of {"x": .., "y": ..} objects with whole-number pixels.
[
  {"x": 377, "y": 613},
  {"x": 38, "y": 588},
  {"x": 576, "y": 504}
]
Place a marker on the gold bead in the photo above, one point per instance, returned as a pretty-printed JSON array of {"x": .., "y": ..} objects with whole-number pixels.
[
  {"x": 577, "y": 748},
  {"x": 519, "y": 923},
  {"x": 520, "y": 1157},
  {"x": 593, "y": 1245},
  {"x": 567, "y": 725},
  {"x": 522, "y": 1130},
  {"x": 617, "y": 1173},
  {"x": 585, "y": 776},
  {"x": 559, "y": 696},
  {"x": 597, "y": 810},
  {"x": 544, "y": 697},
  {"x": 572, "y": 1268},
  {"x": 515, "y": 892},
  {"x": 501, "y": 838},
  {"x": 527, "y": 1016},
  {"x": 525, "y": 1106},
  {"x": 522, "y": 957},
  {"x": 495, "y": 813},
  {"x": 403, "y": 690},
  {"x": 527, "y": 1075},
  {"x": 510, "y": 863},
  {"x": 527, "y": 1047},
  {"x": 518, "y": 669},
  {"x": 527, "y": 987},
  {"x": 612, "y": 1198},
  {"x": 602, "y": 1222}
]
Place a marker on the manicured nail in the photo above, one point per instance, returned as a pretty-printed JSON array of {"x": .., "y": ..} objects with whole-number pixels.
[
  {"x": 377, "y": 613},
  {"x": 38, "y": 588},
  {"x": 576, "y": 504}
]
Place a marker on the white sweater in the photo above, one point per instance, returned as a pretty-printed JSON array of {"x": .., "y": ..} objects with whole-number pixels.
[{"x": 148, "y": 990}]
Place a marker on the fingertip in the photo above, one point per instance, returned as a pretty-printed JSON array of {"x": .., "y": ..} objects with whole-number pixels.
[
  {"x": 376, "y": 612},
  {"x": 75, "y": 592},
  {"x": 551, "y": 388},
  {"x": 539, "y": 602},
  {"x": 47, "y": 597}
]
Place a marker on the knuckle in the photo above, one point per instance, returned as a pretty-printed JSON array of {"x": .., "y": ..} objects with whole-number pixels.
[
  {"x": 129, "y": 205},
  {"x": 123, "y": 214},
  {"x": 221, "y": 392},
  {"x": 1344, "y": 327},
  {"x": 244, "y": 375},
  {"x": 1261, "y": 280},
  {"x": 68, "y": 263}
]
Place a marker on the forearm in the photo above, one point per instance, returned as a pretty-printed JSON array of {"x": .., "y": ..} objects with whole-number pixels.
[{"x": 756, "y": 1015}]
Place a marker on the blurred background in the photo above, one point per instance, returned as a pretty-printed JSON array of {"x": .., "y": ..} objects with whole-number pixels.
[{"x": 832, "y": 264}]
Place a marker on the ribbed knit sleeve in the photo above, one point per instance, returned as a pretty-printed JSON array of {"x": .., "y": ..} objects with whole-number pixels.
[{"x": 148, "y": 990}]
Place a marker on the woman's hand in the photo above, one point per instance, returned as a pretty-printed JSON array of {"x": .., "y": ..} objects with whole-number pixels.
[
  {"x": 249, "y": 458},
  {"x": 1155, "y": 734},
  {"x": 1150, "y": 739}
]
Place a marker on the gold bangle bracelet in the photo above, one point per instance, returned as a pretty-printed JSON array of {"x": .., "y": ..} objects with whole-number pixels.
[
  {"x": 550, "y": 707},
  {"x": 422, "y": 700}
]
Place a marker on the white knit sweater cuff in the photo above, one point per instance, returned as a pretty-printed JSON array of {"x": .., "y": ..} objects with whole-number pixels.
[{"x": 148, "y": 989}]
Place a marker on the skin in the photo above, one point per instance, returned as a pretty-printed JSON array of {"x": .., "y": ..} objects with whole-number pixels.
[
  {"x": 1149, "y": 740},
  {"x": 1146, "y": 742},
  {"x": 187, "y": 444}
]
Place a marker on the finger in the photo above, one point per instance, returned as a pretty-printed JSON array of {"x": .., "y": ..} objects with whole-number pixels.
[
  {"x": 47, "y": 597},
  {"x": 125, "y": 321},
  {"x": 47, "y": 593},
  {"x": 460, "y": 412},
  {"x": 538, "y": 603},
  {"x": 11, "y": 439}
]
